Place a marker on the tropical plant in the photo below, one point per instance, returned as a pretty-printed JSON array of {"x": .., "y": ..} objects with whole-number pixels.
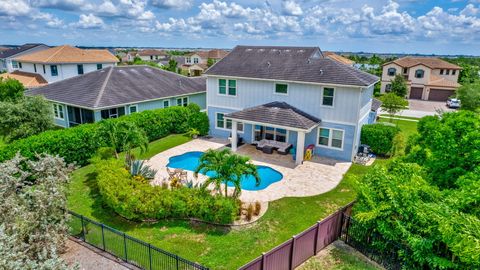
[
  {"x": 193, "y": 132},
  {"x": 228, "y": 168},
  {"x": 392, "y": 104},
  {"x": 123, "y": 136},
  {"x": 469, "y": 95},
  {"x": 399, "y": 86},
  {"x": 11, "y": 90},
  {"x": 139, "y": 168}
]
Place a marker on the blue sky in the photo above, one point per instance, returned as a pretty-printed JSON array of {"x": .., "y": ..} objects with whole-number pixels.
[{"x": 403, "y": 26}]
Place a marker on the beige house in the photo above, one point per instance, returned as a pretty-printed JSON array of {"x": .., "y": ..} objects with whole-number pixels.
[
  {"x": 427, "y": 78},
  {"x": 197, "y": 62},
  {"x": 152, "y": 55}
]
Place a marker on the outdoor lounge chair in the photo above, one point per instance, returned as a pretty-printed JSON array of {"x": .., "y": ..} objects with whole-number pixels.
[{"x": 281, "y": 147}]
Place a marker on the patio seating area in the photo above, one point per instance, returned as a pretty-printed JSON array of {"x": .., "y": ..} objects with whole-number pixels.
[{"x": 267, "y": 147}]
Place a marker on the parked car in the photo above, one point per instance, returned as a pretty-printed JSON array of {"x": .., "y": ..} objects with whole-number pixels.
[{"x": 453, "y": 103}]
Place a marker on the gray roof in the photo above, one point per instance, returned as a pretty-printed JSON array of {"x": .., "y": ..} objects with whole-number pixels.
[
  {"x": 114, "y": 86},
  {"x": 303, "y": 64},
  {"x": 17, "y": 50},
  {"x": 376, "y": 104},
  {"x": 277, "y": 113}
]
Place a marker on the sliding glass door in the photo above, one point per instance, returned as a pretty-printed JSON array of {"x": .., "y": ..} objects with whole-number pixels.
[{"x": 269, "y": 133}]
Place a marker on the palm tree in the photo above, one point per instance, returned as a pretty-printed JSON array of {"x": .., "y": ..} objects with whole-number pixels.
[
  {"x": 228, "y": 168},
  {"x": 123, "y": 136}
]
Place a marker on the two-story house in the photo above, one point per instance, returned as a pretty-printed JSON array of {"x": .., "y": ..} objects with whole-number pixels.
[
  {"x": 63, "y": 62},
  {"x": 7, "y": 62},
  {"x": 289, "y": 94},
  {"x": 115, "y": 91},
  {"x": 197, "y": 62},
  {"x": 427, "y": 78},
  {"x": 152, "y": 55}
]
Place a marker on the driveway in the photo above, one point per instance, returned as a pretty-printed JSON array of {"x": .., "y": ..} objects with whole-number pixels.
[{"x": 421, "y": 108}]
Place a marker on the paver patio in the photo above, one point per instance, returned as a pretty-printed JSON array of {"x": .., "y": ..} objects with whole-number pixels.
[{"x": 313, "y": 177}]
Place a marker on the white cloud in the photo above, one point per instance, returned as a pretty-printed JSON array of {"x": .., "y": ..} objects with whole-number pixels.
[
  {"x": 62, "y": 4},
  {"x": 108, "y": 8},
  {"x": 172, "y": 4},
  {"x": 89, "y": 21},
  {"x": 290, "y": 7},
  {"x": 14, "y": 8}
]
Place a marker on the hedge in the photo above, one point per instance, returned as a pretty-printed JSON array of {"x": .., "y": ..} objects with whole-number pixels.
[
  {"x": 79, "y": 144},
  {"x": 379, "y": 137},
  {"x": 137, "y": 200}
]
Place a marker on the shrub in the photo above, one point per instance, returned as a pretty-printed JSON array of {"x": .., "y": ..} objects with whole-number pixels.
[
  {"x": 138, "y": 200},
  {"x": 398, "y": 145},
  {"x": 379, "y": 137},
  {"x": 79, "y": 144}
]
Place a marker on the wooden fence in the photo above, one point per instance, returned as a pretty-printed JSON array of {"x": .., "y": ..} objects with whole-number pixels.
[{"x": 301, "y": 247}]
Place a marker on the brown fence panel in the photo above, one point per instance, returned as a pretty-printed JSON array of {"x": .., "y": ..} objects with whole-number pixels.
[
  {"x": 253, "y": 265},
  {"x": 279, "y": 257},
  {"x": 304, "y": 247},
  {"x": 329, "y": 230}
]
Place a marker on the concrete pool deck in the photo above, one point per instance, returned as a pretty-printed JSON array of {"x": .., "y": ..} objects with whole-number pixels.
[{"x": 313, "y": 177}]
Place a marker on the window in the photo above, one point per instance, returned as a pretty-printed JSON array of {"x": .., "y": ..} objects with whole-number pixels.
[
  {"x": 392, "y": 71},
  {"x": 182, "y": 101},
  {"x": 269, "y": 133},
  {"x": 447, "y": 73},
  {"x": 80, "y": 69},
  {"x": 133, "y": 109},
  {"x": 151, "y": 57},
  {"x": 239, "y": 126},
  {"x": 53, "y": 70},
  {"x": 454, "y": 72},
  {"x": 280, "y": 135},
  {"x": 14, "y": 64},
  {"x": 328, "y": 94},
  {"x": 99, "y": 66},
  {"x": 58, "y": 111},
  {"x": 35, "y": 68},
  {"x": 419, "y": 73},
  {"x": 332, "y": 138},
  {"x": 113, "y": 112},
  {"x": 189, "y": 60},
  {"x": 20, "y": 64},
  {"x": 281, "y": 88},
  {"x": 166, "y": 103},
  {"x": 405, "y": 70},
  {"x": 44, "y": 71},
  {"x": 388, "y": 88},
  {"x": 227, "y": 87},
  {"x": 220, "y": 120},
  {"x": 441, "y": 71},
  {"x": 223, "y": 123},
  {"x": 195, "y": 60}
]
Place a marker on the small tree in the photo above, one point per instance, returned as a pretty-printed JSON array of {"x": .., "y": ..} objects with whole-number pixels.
[
  {"x": 172, "y": 65},
  {"x": 399, "y": 86},
  {"x": 210, "y": 62},
  {"x": 11, "y": 90},
  {"x": 392, "y": 104},
  {"x": 27, "y": 117},
  {"x": 469, "y": 95}
]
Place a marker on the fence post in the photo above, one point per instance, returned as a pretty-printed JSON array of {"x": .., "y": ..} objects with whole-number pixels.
[
  {"x": 103, "y": 238},
  {"x": 125, "y": 246},
  {"x": 264, "y": 263},
  {"x": 83, "y": 229},
  {"x": 176, "y": 257},
  {"x": 292, "y": 251},
  {"x": 315, "y": 242},
  {"x": 150, "y": 255}
]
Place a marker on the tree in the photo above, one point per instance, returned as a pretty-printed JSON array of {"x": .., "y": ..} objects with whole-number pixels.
[
  {"x": 469, "y": 95},
  {"x": 228, "y": 168},
  {"x": 123, "y": 136},
  {"x": 27, "y": 117},
  {"x": 33, "y": 215},
  {"x": 11, "y": 90},
  {"x": 399, "y": 86},
  {"x": 210, "y": 62},
  {"x": 172, "y": 65},
  {"x": 392, "y": 104}
]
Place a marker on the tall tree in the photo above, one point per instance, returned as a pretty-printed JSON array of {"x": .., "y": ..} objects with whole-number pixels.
[
  {"x": 33, "y": 215},
  {"x": 228, "y": 168},
  {"x": 392, "y": 104},
  {"x": 469, "y": 95},
  {"x": 399, "y": 86},
  {"x": 11, "y": 90},
  {"x": 26, "y": 117}
]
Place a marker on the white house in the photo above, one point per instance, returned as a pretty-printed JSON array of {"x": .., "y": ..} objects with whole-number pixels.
[{"x": 7, "y": 62}]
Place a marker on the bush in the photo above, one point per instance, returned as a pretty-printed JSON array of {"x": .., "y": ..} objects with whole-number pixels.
[
  {"x": 79, "y": 144},
  {"x": 137, "y": 200},
  {"x": 379, "y": 137}
]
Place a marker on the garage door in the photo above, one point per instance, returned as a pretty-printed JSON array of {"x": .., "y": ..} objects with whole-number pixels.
[
  {"x": 416, "y": 92},
  {"x": 440, "y": 94}
]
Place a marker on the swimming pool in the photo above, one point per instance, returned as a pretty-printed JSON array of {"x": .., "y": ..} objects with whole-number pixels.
[{"x": 190, "y": 161}]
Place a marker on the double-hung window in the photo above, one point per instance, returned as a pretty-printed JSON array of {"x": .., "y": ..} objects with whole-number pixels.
[
  {"x": 132, "y": 109},
  {"x": 327, "y": 98},
  {"x": 220, "y": 122},
  {"x": 391, "y": 71},
  {"x": 14, "y": 64},
  {"x": 44, "y": 71},
  {"x": 328, "y": 137},
  {"x": 54, "y": 70},
  {"x": 281, "y": 88},
  {"x": 80, "y": 69},
  {"x": 182, "y": 101},
  {"x": 99, "y": 66},
  {"x": 223, "y": 123},
  {"x": 195, "y": 60},
  {"x": 227, "y": 87},
  {"x": 419, "y": 73},
  {"x": 58, "y": 111},
  {"x": 189, "y": 60},
  {"x": 166, "y": 103}
]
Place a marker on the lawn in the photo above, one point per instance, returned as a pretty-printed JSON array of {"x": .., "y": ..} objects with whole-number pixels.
[
  {"x": 407, "y": 127},
  {"x": 210, "y": 246}
]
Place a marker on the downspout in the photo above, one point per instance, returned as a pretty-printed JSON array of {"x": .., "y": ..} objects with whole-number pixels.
[{"x": 355, "y": 146}]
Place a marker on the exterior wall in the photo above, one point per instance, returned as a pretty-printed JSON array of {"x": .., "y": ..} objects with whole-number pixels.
[
  {"x": 419, "y": 81},
  {"x": 348, "y": 142},
  {"x": 216, "y": 132},
  {"x": 192, "y": 60},
  {"x": 198, "y": 99},
  {"x": 385, "y": 68},
  {"x": 65, "y": 71},
  {"x": 8, "y": 61},
  {"x": 450, "y": 77},
  {"x": 306, "y": 97}
]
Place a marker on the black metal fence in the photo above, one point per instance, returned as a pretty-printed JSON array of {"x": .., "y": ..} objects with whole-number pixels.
[{"x": 129, "y": 249}]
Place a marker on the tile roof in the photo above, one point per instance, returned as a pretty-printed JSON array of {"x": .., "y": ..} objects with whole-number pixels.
[
  {"x": 29, "y": 80},
  {"x": 151, "y": 52},
  {"x": 277, "y": 113},
  {"x": 338, "y": 58},
  {"x": 114, "y": 86},
  {"x": 17, "y": 50},
  {"x": 431, "y": 62},
  {"x": 69, "y": 54},
  {"x": 214, "y": 54},
  {"x": 442, "y": 82},
  {"x": 302, "y": 64}
]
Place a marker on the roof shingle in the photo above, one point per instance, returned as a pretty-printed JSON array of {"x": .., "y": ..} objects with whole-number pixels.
[
  {"x": 69, "y": 54},
  {"x": 17, "y": 50},
  {"x": 28, "y": 80},
  {"x": 431, "y": 62}
]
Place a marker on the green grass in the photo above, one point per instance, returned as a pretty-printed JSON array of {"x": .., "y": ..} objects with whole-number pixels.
[
  {"x": 399, "y": 116},
  {"x": 407, "y": 127},
  {"x": 217, "y": 248}
]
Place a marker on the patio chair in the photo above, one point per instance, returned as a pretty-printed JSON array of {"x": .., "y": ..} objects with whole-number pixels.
[{"x": 171, "y": 173}]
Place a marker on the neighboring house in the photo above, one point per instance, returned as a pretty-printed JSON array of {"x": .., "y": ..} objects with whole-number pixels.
[
  {"x": 120, "y": 90},
  {"x": 427, "y": 78},
  {"x": 7, "y": 62},
  {"x": 197, "y": 62},
  {"x": 289, "y": 94},
  {"x": 339, "y": 58},
  {"x": 376, "y": 104},
  {"x": 152, "y": 55},
  {"x": 29, "y": 80},
  {"x": 63, "y": 62}
]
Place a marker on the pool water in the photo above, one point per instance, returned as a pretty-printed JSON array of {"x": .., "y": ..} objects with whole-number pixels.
[{"x": 190, "y": 161}]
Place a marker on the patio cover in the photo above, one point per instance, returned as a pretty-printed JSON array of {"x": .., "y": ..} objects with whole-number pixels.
[{"x": 277, "y": 114}]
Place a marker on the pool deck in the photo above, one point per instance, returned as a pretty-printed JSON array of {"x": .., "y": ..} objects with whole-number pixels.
[{"x": 313, "y": 177}]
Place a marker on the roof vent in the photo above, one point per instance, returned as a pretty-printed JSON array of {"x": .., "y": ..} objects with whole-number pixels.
[
  {"x": 321, "y": 71},
  {"x": 268, "y": 64},
  {"x": 309, "y": 61}
]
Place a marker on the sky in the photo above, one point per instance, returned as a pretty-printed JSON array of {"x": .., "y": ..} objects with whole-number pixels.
[{"x": 390, "y": 26}]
